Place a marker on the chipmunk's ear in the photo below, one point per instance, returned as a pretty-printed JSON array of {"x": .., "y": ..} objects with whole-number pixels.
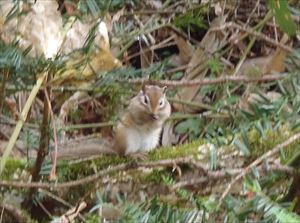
[
  {"x": 165, "y": 88},
  {"x": 145, "y": 87}
]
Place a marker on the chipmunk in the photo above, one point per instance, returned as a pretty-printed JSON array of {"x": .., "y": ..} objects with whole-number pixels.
[{"x": 139, "y": 128}]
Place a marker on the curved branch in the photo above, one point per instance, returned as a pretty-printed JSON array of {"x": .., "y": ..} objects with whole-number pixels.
[
  {"x": 17, "y": 214},
  {"x": 270, "y": 153}
]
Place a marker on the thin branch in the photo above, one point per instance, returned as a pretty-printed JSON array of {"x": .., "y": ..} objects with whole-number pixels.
[
  {"x": 182, "y": 83},
  {"x": 270, "y": 153},
  {"x": 226, "y": 173},
  {"x": 209, "y": 81},
  {"x": 95, "y": 177},
  {"x": 52, "y": 175},
  {"x": 44, "y": 142},
  {"x": 3, "y": 87},
  {"x": 256, "y": 34},
  {"x": 191, "y": 103},
  {"x": 57, "y": 186},
  {"x": 21, "y": 121},
  {"x": 160, "y": 45},
  {"x": 85, "y": 126},
  {"x": 71, "y": 214}
]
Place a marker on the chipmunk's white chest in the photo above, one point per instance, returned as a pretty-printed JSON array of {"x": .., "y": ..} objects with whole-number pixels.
[{"x": 142, "y": 140}]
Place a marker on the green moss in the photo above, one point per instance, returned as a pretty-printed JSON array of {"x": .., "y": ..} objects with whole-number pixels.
[
  {"x": 156, "y": 176},
  {"x": 12, "y": 166},
  {"x": 189, "y": 149},
  {"x": 261, "y": 143},
  {"x": 67, "y": 171}
]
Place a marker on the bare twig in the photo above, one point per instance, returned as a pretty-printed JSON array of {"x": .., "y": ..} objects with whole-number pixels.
[
  {"x": 270, "y": 153},
  {"x": 52, "y": 175},
  {"x": 182, "y": 83},
  {"x": 160, "y": 45},
  {"x": 57, "y": 186},
  {"x": 44, "y": 142},
  {"x": 42, "y": 206},
  {"x": 256, "y": 34},
  {"x": 60, "y": 200},
  {"x": 226, "y": 173},
  {"x": 2, "y": 212},
  {"x": 192, "y": 104},
  {"x": 209, "y": 81},
  {"x": 3, "y": 88},
  {"x": 71, "y": 214}
]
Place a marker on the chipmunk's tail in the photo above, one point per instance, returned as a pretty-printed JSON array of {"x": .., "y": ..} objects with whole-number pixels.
[{"x": 84, "y": 148}]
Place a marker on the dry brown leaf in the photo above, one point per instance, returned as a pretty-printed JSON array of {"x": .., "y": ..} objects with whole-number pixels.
[
  {"x": 267, "y": 64},
  {"x": 91, "y": 64},
  {"x": 117, "y": 16},
  {"x": 146, "y": 57},
  {"x": 168, "y": 137},
  {"x": 12, "y": 105},
  {"x": 185, "y": 49},
  {"x": 211, "y": 42},
  {"x": 264, "y": 65}
]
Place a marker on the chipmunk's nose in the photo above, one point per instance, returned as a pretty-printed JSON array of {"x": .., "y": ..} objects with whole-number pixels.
[{"x": 154, "y": 116}]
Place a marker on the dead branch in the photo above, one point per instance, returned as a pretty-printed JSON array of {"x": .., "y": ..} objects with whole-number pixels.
[
  {"x": 57, "y": 186},
  {"x": 71, "y": 214},
  {"x": 44, "y": 142},
  {"x": 60, "y": 200},
  {"x": 256, "y": 34},
  {"x": 268, "y": 154},
  {"x": 226, "y": 173},
  {"x": 122, "y": 167},
  {"x": 17, "y": 214},
  {"x": 208, "y": 81},
  {"x": 92, "y": 178}
]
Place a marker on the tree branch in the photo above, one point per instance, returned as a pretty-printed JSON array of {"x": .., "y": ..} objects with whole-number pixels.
[
  {"x": 270, "y": 153},
  {"x": 208, "y": 81},
  {"x": 151, "y": 164},
  {"x": 17, "y": 214}
]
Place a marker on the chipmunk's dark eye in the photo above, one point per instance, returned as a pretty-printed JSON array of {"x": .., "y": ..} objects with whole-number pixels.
[
  {"x": 161, "y": 103},
  {"x": 146, "y": 100}
]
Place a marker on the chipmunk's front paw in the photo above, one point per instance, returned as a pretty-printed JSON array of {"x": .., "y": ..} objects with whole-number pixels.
[{"x": 139, "y": 156}]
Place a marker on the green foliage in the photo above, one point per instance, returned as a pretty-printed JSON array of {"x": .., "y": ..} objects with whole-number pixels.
[
  {"x": 259, "y": 207},
  {"x": 21, "y": 67},
  {"x": 30, "y": 138},
  {"x": 101, "y": 7},
  {"x": 283, "y": 16},
  {"x": 192, "y": 19},
  {"x": 158, "y": 176},
  {"x": 12, "y": 167},
  {"x": 191, "y": 126},
  {"x": 154, "y": 211},
  {"x": 215, "y": 66}
]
